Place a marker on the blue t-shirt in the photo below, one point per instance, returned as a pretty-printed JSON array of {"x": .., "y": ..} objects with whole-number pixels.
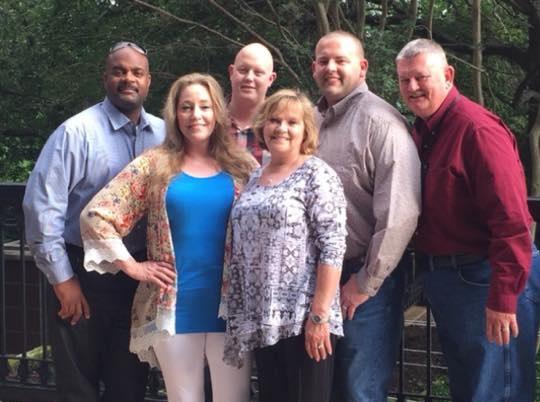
[{"x": 198, "y": 209}]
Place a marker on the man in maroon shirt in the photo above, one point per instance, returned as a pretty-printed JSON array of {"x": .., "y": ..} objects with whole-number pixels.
[{"x": 473, "y": 236}]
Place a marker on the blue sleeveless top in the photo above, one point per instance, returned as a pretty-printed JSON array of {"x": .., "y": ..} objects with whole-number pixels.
[{"x": 198, "y": 209}]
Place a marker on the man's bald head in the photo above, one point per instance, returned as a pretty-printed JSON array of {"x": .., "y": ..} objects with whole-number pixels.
[
  {"x": 257, "y": 51},
  {"x": 251, "y": 74}
]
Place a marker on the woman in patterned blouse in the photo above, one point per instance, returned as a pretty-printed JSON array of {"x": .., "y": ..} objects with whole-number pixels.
[
  {"x": 187, "y": 187},
  {"x": 288, "y": 245}
]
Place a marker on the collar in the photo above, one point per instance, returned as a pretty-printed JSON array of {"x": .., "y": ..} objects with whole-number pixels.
[
  {"x": 119, "y": 119},
  {"x": 234, "y": 126},
  {"x": 343, "y": 105},
  {"x": 433, "y": 121}
]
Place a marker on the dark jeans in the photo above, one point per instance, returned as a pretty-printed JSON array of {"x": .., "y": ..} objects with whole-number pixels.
[
  {"x": 479, "y": 370},
  {"x": 97, "y": 350},
  {"x": 287, "y": 374},
  {"x": 366, "y": 356}
]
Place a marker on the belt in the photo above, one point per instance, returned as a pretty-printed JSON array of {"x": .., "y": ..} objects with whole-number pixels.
[{"x": 448, "y": 261}]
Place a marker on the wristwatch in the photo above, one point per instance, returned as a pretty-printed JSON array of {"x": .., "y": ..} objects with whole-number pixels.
[{"x": 318, "y": 319}]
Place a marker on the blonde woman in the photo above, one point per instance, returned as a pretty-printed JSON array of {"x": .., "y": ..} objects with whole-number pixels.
[
  {"x": 186, "y": 187},
  {"x": 288, "y": 244}
]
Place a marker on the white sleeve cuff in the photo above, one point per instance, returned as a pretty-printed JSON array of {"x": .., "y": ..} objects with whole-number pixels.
[{"x": 100, "y": 254}]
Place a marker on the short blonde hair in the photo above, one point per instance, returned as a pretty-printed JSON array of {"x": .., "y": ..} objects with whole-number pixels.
[
  {"x": 284, "y": 98},
  {"x": 344, "y": 35}
]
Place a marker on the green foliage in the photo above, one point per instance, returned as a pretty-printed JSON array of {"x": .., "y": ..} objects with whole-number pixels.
[{"x": 53, "y": 50}]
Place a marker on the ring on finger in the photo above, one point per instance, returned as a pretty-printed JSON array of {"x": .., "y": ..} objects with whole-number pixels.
[{"x": 320, "y": 346}]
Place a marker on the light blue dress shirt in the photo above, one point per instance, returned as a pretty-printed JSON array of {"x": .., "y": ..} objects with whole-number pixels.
[{"x": 78, "y": 159}]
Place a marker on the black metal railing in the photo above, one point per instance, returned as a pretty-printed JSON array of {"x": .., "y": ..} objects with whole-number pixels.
[
  {"x": 26, "y": 366},
  {"x": 27, "y": 369}
]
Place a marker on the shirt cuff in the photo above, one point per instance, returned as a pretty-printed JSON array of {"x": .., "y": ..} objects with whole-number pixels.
[
  {"x": 502, "y": 302},
  {"x": 56, "y": 268},
  {"x": 100, "y": 254},
  {"x": 368, "y": 284}
]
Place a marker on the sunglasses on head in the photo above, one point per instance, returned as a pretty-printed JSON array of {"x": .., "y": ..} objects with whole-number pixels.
[{"x": 121, "y": 45}]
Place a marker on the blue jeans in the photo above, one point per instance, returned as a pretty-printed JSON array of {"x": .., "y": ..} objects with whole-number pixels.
[
  {"x": 477, "y": 369},
  {"x": 366, "y": 356}
]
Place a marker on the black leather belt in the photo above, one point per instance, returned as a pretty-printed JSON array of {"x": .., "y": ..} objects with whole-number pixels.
[{"x": 448, "y": 261}]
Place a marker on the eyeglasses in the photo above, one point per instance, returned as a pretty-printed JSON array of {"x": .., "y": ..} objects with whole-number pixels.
[{"x": 121, "y": 45}]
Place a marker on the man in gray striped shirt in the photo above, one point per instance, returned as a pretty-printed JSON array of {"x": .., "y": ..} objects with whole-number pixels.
[{"x": 367, "y": 142}]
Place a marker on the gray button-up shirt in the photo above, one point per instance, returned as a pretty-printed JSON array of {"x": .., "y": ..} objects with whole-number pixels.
[
  {"x": 367, "y": 142},
  {"x": 79, "y": 158}
]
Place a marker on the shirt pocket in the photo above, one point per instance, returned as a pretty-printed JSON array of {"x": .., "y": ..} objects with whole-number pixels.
[{"x": 446, "y": 189}]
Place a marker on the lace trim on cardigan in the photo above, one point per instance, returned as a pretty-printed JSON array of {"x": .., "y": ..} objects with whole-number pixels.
[
  {"x": 144, "y": 338},
  {"x": 100, "y": 254}
]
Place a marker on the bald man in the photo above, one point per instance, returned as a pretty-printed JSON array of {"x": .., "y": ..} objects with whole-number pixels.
[
  {"x": 251, "y": 75},
  {"x": 92, "y": 312}
]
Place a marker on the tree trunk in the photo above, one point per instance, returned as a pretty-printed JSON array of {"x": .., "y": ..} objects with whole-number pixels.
[
  {"x": 322, "y": 17},
  {"x": 333, "y": 13},
  {"x": 534, "y": 143},
  {"x": 477, "y": 50},
  {"x": 384, "y": 14},
  {"x": 412, "y": 13},
  {"x": 430, "y": 18},
  {"x": 360, "y": 18}
]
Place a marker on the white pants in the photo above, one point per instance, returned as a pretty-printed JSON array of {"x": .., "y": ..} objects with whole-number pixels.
[{"x": 181, "y": 358}]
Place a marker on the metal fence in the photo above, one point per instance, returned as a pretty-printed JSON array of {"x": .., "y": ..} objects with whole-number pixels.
[{"x": 27, "y": 369}]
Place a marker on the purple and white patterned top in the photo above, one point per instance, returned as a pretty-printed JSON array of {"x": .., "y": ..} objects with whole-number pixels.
[{"x": 281, "y": 233}]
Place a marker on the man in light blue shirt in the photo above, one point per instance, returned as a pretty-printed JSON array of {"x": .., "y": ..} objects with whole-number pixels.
[{"x": 91, "y": 311}]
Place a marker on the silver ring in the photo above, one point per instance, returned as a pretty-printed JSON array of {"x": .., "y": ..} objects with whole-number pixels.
[
  {"x": 320, "y": 346},
  {"x": 504, "y": 329}
]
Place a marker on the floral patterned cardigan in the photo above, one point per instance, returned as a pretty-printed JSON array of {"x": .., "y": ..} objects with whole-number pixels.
[{"x": 111, "y": 215}]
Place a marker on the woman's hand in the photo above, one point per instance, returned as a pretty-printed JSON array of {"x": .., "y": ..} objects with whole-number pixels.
[
  {"x": 159, "y": 273},
  {"x": 317, "y": 340}
]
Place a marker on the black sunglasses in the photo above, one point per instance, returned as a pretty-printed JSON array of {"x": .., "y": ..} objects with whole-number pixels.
[{"x": 121, "y": 45}]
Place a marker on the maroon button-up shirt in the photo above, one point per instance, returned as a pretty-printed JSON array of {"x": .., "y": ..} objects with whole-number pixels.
[{"x": 474, "y": 197}]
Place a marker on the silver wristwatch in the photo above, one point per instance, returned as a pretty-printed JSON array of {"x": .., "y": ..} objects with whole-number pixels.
[{"x": 318, "y": 319}]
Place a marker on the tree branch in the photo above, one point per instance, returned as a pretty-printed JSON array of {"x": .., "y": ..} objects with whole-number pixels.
[
  {"x": 343, "y": 17},
  {"x": 189, "y": 22},
  {"x": 322, "y": 17},
  {"x": 280, "y": 27},
  {"x": 280, "y": 58}
]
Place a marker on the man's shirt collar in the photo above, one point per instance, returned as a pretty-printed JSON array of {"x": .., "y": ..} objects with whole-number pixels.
[
  {"x": 433, "y": 121},
  {"x": 343, "y": 105},
  {"x": 119, "y": 119}
]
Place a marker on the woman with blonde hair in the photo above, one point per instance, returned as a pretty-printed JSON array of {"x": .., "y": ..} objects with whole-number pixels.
[
  {"x": 289, "y": 233},
  {"x": 186, "y": 188}
]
